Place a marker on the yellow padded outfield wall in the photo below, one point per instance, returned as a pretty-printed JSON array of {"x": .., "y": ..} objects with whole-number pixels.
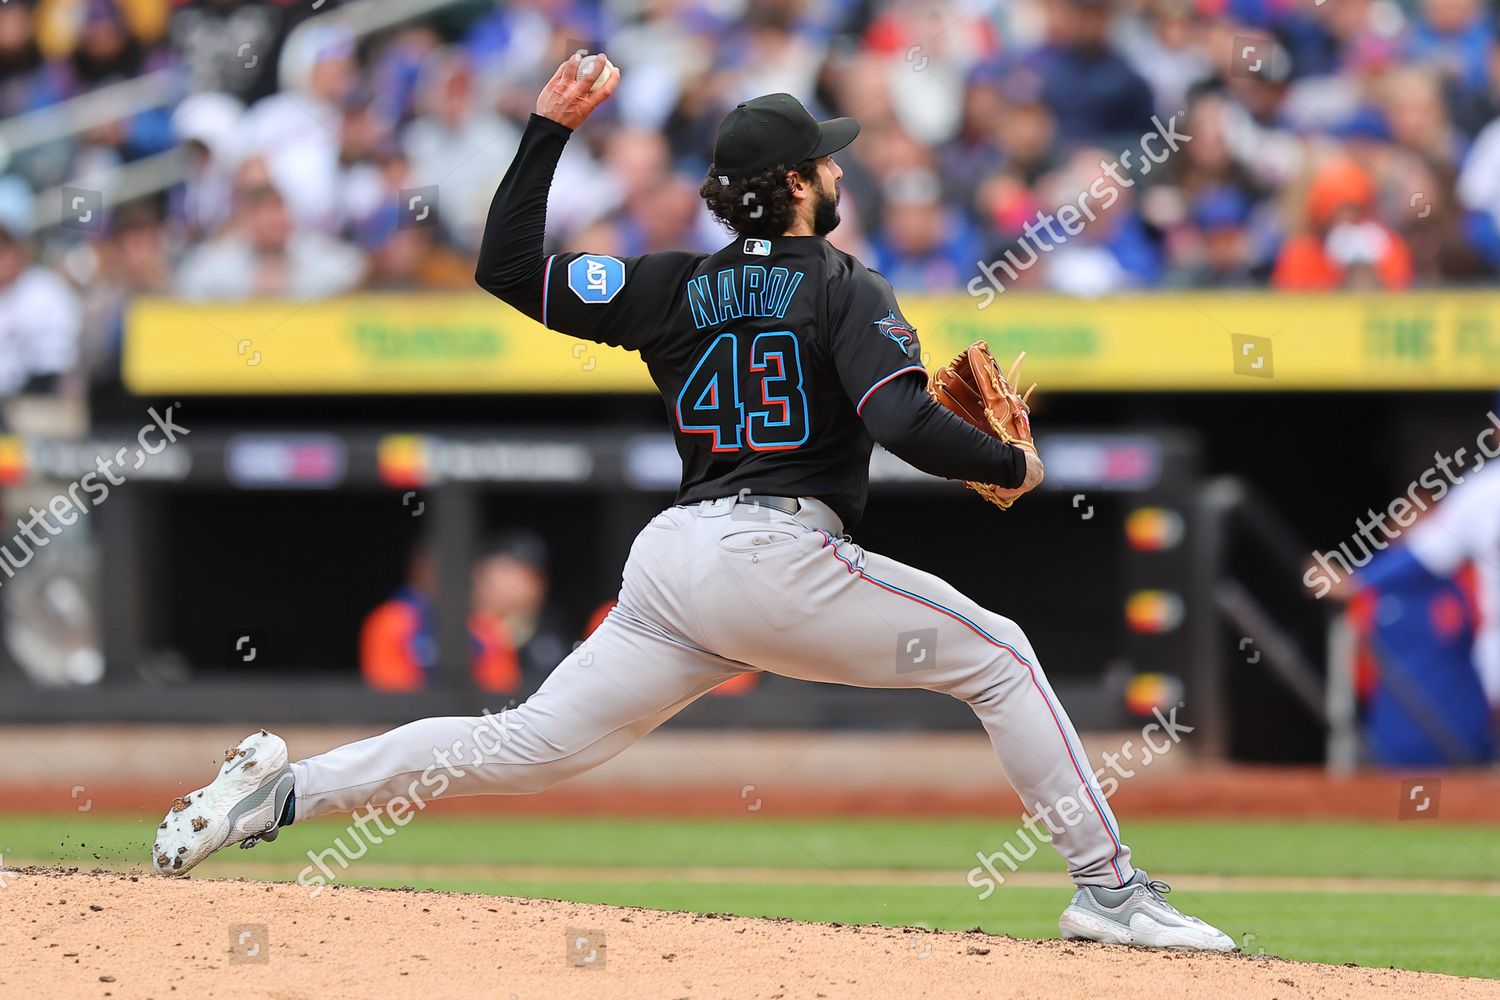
[{"x": 473, "y": 343}]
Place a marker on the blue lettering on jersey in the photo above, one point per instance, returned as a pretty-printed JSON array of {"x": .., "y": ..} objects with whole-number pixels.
[
  {"x": 729, "y": 306},
  {"x": 753, "y": 281},
  {"x": 595, "y": 278},
  {"x": 700, "y": 298},
  {"x": 786, "y": 300},
  {"x": 779, "y": 289},
  {"x": 739, "y": 292}
]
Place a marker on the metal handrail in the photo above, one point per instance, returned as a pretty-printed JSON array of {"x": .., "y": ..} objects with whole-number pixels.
[
  {"x": 360, "y": 18},
  {"x": 1285, "y": 660},
  {"x": 161, "y": 88},
  {"x": 1342, "y": 702},
  {"x": 103, "y": 106},
  {"x": 1226, "y": 500},
  {"x": 133, "y": 180}
]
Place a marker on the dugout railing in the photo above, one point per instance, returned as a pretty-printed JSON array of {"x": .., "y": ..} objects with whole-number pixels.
[{"x": 1264, "y": 626}]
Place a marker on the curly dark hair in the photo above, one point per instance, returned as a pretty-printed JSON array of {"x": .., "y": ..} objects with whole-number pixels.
[{"x": 758, "y": 205}]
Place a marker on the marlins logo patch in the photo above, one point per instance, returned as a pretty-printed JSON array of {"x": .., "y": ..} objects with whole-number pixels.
[
  {"x": 596, "y": 278},
  {"x": 895, "y": 327}
]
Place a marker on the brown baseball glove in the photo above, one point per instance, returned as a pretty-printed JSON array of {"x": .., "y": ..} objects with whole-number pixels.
[{"x": 972, "y": 386}]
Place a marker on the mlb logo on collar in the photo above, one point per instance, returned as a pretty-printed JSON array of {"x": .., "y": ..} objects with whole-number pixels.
[
  {"x": 595, "y": 277},
  {"x": 758, "y": 248}
]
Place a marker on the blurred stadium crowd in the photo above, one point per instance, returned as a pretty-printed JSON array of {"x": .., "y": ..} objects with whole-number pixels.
[{"x": 1350, "y": 143}]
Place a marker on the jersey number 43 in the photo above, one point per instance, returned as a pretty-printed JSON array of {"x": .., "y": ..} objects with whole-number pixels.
[{"x": 773, "y": 417}]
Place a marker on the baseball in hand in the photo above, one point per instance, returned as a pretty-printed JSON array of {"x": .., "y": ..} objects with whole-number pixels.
[{"x": 586, "y": 69}]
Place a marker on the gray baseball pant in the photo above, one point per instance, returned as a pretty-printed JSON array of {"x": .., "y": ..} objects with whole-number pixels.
[{"x": 718, "y": 588}]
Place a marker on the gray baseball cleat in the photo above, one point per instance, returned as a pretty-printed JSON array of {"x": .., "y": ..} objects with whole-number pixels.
[
  {"x": 1137, "y": 914},
  {"x": 243, "y": 805}
]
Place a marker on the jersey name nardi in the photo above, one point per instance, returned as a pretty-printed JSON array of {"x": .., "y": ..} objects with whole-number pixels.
[{"x": 740, "y": 292}]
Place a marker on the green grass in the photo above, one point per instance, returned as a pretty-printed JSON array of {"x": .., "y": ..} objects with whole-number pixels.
[{"x": 1429, "y": 931}]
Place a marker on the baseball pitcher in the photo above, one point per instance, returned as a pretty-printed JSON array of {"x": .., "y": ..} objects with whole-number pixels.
[{"x": 781, "y": 361}]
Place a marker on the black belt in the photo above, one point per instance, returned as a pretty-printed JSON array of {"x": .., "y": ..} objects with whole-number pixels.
[{"x": 787, "y": 505}]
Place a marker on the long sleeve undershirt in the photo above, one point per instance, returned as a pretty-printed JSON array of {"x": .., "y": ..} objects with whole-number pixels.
[
  {"x": 510, "y": 254},
  {"x": 911, "y": 425}
]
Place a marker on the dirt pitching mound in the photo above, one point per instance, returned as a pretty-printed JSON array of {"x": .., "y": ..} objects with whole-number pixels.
[{"x": 104, "y": 934}]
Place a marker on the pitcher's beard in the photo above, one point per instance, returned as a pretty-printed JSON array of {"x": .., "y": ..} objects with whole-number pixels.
[{"x": 826, "y": 212}]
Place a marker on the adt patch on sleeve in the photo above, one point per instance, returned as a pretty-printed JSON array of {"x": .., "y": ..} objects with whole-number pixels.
[{"x": 596, "y": 278}]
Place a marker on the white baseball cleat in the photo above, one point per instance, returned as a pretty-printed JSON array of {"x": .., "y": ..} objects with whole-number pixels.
[
  {"x": 1137, "y": 914},
  {"x": 243, "y": 805}
]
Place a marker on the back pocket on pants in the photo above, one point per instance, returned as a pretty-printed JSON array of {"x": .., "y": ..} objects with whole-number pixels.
[{"x": 761, "y": 566}]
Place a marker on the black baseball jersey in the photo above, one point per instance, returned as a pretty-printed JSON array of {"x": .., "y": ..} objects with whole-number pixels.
[
  {"x": 764, "y": 353},
  {"x": 768, "y": 353}
]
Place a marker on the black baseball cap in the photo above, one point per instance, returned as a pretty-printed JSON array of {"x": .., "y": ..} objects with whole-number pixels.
[{"x": 775, "y": 130}]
